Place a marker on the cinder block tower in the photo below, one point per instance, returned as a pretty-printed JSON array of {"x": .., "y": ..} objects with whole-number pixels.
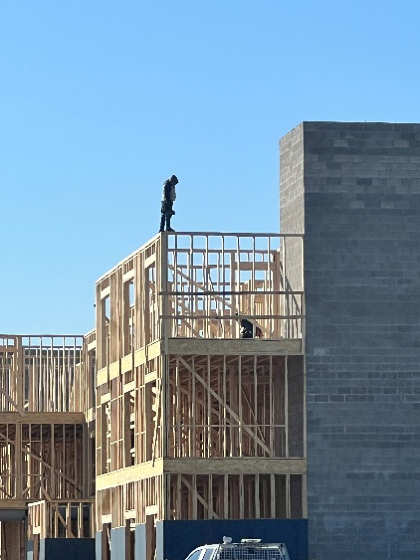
[{"x": 353, "y": 189}]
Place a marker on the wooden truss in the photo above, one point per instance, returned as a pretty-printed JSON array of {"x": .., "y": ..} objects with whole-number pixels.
[{"x": 194, "y": 422}]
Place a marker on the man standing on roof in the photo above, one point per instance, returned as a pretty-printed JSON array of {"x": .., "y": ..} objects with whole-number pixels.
[{"x": 168, "y": 197}]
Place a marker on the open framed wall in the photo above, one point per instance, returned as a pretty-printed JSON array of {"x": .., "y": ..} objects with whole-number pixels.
[
  {"x": 47, "y": 398},
  {"x": 42, "y": 432},
  {"x": 193, "y": 285},
  {"x": 194, "y": 422}
]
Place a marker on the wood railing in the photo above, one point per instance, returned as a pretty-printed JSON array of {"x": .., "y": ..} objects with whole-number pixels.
[{"x": 71, "y": 519}]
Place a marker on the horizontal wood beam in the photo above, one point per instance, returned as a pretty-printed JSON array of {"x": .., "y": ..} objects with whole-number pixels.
[
  {"x": 217, "y": 317},
  {"x": 42, "y": 418},
  {"x": 128, "y": 276},
  {"x": 229, "y": 347},
  {"x": 129, "y": 474},
  {"x": 202, "y": 292},
  {"x": 235, "y": 234},
  {"x": 91, "y": 345},
  {"x": 105, "y": 292},
  {"x": 248, "y": 465},
  {"x": 239, "y": 465},
  {"x": 13, "y": 504}
]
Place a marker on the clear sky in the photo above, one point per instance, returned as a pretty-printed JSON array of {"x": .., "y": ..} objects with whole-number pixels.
[{"x": 101, "y": 101}]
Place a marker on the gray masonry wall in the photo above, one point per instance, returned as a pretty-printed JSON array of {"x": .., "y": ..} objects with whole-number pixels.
[
  {"x": 360, "y": 213},
  {"x": 291, "y": 181}
]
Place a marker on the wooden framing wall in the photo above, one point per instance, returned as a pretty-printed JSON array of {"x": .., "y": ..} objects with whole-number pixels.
[
  {"x": 61, "y": 519},
  {"x": 41, "y": 460},
  {"x": 42, "y": 434},
  {"x": 211, "y": 277},
  {"x": 234, "y": 496},
  {"x": 40, "y": 374},
  {"x": 192, "y": 421},
  {"x": 47, "y": 403},
  {"x": 227, "y": 406},
  {"x": 192, "y": 285}
]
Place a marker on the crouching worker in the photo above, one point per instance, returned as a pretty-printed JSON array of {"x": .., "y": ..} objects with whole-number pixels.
[
  {"x": 168, "y": 198},
  {"x": 248, "y": 329}
]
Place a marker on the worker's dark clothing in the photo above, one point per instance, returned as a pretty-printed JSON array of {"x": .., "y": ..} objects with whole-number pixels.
[
  {"x": 168, "y": 197},
  {"x": 247, "y": 329}
]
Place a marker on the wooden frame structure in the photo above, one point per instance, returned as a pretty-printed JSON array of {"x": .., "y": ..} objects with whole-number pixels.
[
  {"x": 42, "y": 433},
  {"x": 47, "y": 401},
  {"x": 194, "y": 422},
  {"x": 163, "y": 410},
  {"x": 70, "y": 519}
]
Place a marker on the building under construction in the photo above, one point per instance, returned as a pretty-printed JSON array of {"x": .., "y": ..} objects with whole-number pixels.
[
  {"x": 187, "y": 420},
  {"x": 163, "y": 429}
]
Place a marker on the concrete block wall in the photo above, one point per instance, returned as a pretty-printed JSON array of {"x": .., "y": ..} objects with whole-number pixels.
[
  {"x": 292, "y": 193},
  {"x": 291, "y": 181},
  {"x": 360, "y": 213}
]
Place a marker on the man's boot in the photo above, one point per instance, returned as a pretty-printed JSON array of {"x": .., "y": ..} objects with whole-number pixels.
[{"x": 168, "y": 224}]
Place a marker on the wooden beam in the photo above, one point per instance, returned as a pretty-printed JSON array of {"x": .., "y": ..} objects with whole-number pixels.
[
  {"x": 233, "y": 347},
  {"x": 56, "y": 418},
  {"x": 243, "y": 465},
  {"x": 13, "y": 504},
  {"x": 238, "y": 465},
  {"x": 129, "y": 474}
]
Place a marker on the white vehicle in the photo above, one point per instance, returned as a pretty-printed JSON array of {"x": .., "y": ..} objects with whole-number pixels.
[{"x": 247, "y": 549}]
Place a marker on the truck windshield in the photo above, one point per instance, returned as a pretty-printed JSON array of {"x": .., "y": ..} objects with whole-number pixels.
[
  {"x": 209, "y": 552},
  {"x": 202, "y": 553},
  {"x": 195, "y": 555}
]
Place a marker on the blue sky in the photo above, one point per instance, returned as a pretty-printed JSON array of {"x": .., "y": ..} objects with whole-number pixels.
[{"x": 101, "y": 101}]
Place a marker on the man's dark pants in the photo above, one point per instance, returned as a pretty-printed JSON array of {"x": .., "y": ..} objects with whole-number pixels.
[{"x": 166, "y": 215}]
